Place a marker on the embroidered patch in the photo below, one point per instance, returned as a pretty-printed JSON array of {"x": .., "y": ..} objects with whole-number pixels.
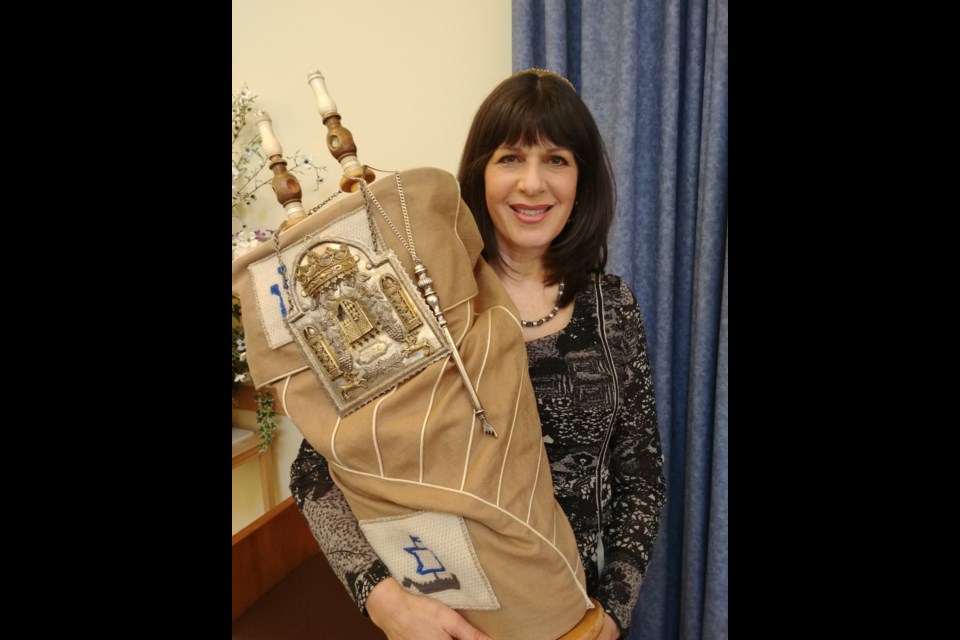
[
  {"x": 271, "y": 300},
  {"x": 359, "y": 321},
  {"x": 431, "y": 554}
]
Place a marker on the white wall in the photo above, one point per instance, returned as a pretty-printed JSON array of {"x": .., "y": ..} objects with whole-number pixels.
[{"x": 407, "y": 77}]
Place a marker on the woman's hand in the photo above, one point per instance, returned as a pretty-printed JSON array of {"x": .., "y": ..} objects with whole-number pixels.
[
  {"x": 405, "y": 616},
  {"x": 610, "y": 630}
]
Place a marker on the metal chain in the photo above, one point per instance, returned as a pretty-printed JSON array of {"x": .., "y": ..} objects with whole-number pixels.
[
  {"x": 406, "y": 217},
  {"x": 282, "y": 268},
  {"x": 320, "y": 206}
]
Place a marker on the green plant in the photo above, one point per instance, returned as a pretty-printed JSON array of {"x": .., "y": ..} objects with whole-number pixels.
[
  {"x": 240, "y": 366},
  {"x": 265, "y": 416},
  {"x": 265, "y": 400}
]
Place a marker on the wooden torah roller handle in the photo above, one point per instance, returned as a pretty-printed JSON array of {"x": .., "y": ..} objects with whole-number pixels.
[
  {"x": 285, "y": 184},
  {"x": 339, "y": 139}
]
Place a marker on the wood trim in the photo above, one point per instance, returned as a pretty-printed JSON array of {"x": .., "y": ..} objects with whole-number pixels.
[
  {"x": 267, "y": 550},
  {"x": 267, "y": 481},
  {"x": 240, "y": 458},
  {"x": 246, "y": 398}
]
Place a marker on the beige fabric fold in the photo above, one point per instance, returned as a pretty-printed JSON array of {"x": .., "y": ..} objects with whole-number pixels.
[{"x": 418, "y": 447}]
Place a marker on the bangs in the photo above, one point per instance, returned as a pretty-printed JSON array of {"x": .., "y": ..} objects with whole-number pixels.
[{"x": 538, "y": 117}]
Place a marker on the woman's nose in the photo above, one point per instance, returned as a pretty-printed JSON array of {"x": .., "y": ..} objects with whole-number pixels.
[{"x": 531, "y": 182}]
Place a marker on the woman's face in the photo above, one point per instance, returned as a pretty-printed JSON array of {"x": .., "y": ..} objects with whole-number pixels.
[{"x": 530, "y": 194}]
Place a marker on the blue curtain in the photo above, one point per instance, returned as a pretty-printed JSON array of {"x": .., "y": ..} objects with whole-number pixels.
[{"x": 654, "y": 74}]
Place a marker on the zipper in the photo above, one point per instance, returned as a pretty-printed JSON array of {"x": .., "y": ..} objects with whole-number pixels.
[{"x": 602, "y": 331}]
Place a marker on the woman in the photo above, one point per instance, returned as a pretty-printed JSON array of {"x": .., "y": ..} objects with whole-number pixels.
[{"x": 535, "y": 174}]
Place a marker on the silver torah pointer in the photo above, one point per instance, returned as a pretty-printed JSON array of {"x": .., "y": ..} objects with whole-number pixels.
[{"x": 425, "y": 283}]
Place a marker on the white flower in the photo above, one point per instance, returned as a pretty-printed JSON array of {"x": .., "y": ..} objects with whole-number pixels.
[
  {"x": 241, "y": 344},
  {"x": 240, "y": 377},
  {"x": 245, "y": 93},
  {"x": 307, "y": 160}
]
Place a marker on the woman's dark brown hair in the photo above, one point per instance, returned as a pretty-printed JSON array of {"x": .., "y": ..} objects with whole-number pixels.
[{"x": 528, "y": 108}]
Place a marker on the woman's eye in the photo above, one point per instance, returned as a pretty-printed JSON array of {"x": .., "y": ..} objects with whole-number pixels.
[
  {"x": 509, "y": 159},
  {"x": 557, "y": 160}
]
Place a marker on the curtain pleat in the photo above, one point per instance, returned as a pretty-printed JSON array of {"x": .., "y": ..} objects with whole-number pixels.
[{"x": 654, "y": 75}]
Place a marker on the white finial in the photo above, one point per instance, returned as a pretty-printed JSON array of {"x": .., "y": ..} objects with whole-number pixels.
[
  {"x": 268, "y": 141},
  {"x": 325, "y": 103}
]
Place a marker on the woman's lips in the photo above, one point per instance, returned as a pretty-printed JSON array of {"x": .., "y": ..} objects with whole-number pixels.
[{"x": 531, "y": 213}]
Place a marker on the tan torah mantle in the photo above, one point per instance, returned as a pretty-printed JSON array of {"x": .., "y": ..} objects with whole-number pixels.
[{"x": 365, "y": 375}]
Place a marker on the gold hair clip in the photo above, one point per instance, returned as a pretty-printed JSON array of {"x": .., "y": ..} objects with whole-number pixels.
[{"x": 546, "y": 72}]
